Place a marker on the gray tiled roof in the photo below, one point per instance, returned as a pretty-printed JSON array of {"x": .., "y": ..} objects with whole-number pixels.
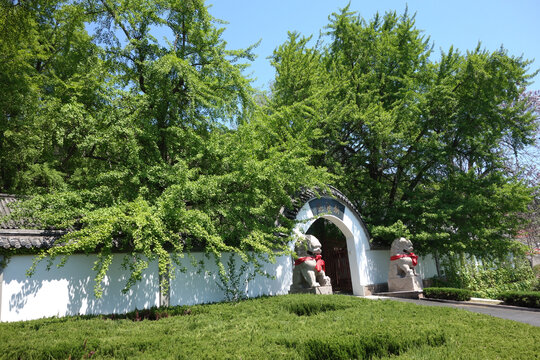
[
  {"x": 5, "y": 201},
  {"x": 14, "y": 235},
  {"x": 28, "y": 239},
  {"x": 308, "y": 194},
  {"x": 305, "y": 195}
]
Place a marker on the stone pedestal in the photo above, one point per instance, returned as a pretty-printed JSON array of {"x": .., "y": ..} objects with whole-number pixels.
[
  {"x": 407, "y": 283},
  {"x": 318, "y": 290}
]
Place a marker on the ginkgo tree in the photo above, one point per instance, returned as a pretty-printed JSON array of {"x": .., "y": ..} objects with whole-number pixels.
[
  {"x": 148, "y": 146},
  {"x": 418, "y": 141}
]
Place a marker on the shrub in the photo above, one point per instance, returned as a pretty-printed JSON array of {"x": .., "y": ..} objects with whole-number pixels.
[
  {"x": 368, "y": 346},
  {"x": 487, "y": 278},
  {"x": 536, "y": 285},
  {"x": 153, "y": 313},
  {"x": 448, "y": 293},
  {"x": 536, "y": 270},
  {"x": 307, "y": 309},
  {"x": 521, "y": 298},
  {"x": 312, "y": 305}
]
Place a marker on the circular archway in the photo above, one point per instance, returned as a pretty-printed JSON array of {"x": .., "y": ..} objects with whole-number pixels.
[{"x": 336, "y": 208}]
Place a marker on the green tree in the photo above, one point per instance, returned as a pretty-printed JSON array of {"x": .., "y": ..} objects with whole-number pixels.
[
  {"x": 154, "y": 148},
  {"x": 50, "y": 75},
  {"x": 417, "y": 144}
]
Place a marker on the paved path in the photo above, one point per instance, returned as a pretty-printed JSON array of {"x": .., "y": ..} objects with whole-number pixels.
[{"x": 523, "y": 315}]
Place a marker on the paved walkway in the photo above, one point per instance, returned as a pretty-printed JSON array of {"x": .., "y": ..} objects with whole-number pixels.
[{"x": 524, "y": 315}]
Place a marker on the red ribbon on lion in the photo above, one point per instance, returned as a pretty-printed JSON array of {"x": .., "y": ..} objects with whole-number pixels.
[
  {"x": 320, "y": 262},
  {"x": 411, "y": 255}
]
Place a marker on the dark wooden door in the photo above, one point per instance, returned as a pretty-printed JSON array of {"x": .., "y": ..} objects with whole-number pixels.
[{"x": 339, "y": 270}]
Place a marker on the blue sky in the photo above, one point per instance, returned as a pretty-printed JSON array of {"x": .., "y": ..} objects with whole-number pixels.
[{"x": 512, "y": 23}]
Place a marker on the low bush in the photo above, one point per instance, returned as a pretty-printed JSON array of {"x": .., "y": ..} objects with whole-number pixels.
[
  {"x": 521, "y": 298},
  {"x": 368, "y": 346},
  {"x": 448, "y": 293},
  {"x": 536, "y": 285},
  {"x": 317, "y": 305},
  {"x": 536, "y": 270},
  {"x": 153, "y": 313},
  {"x": 487, "y": 278}
]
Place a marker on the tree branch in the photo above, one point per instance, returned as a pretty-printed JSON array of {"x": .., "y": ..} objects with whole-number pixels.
[{"x": 111, "y": 11}]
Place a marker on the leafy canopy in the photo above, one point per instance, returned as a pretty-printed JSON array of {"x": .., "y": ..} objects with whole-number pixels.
[
  {"x": 147, "y": 146},
  {"x": 420, "y": 146}
]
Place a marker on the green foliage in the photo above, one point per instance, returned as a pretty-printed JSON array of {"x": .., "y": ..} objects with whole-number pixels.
[
  {"x": 234, "y": 280},
  {"x": 536, "y": 270},
  {"x": 488, "y": 278},
  {"x": 387, "y": 234},
  {"x": 448, "y": 293},
  {"x": 157, "y": 147},
  {"x": 144, "y": 146},
  {"x": 152, "y": 314},
  {"x": 369, "y": 345},
  {"x": 521, "y": 298},
  {"x": 314, "y": 306},
  {"x": 419, "y": 145},
  {"x": 52, "y": 80},
  {"x": 536, "y": 285},
  {"x": 266, "y": 328}
]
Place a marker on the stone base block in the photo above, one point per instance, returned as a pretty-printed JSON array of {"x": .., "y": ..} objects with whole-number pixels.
[
  {"x": 319, "y": 290},
  {"x": 408, "y": 283}
]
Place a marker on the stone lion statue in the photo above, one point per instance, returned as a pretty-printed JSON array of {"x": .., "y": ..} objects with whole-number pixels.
[
  {"x": 402, "y": 258},
  {"x": 309, "y": 269},
  {"x": 401, "y": 274}
]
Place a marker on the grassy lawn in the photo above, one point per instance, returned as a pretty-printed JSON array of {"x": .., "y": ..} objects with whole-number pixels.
[{"x": 283, "y": 327}]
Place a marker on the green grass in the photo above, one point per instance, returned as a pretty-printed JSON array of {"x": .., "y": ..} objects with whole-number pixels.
[{"x": 284, "y": 327}]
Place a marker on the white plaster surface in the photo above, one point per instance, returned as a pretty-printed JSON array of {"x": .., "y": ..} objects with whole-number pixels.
[
  {"x": 69, "y": 290},
  {"x": 195, "y": 285}
]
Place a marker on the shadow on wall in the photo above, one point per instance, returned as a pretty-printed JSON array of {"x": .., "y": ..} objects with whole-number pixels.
[
  {"x": 197, "y": 284},
  {"x": 142, "y": 295},
  {"x": 29, "y": 288},
  {"x": 69, "y": 290}
]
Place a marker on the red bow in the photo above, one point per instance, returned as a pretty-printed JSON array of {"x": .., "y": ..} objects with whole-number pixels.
[
  {"x": 320, "y": 262},
  {"x": 411, "y": 255}
]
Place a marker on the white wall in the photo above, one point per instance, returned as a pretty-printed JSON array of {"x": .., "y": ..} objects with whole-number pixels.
[
  {"x": 194, "y": 287},
  {"x": 378, "y": 262},
  {"x": 69, "y": 290}
]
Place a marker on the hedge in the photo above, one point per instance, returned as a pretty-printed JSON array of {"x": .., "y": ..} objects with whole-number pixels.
[
  {"x": 521, "y": 298},
  {"x": 448, "y": 293}
]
